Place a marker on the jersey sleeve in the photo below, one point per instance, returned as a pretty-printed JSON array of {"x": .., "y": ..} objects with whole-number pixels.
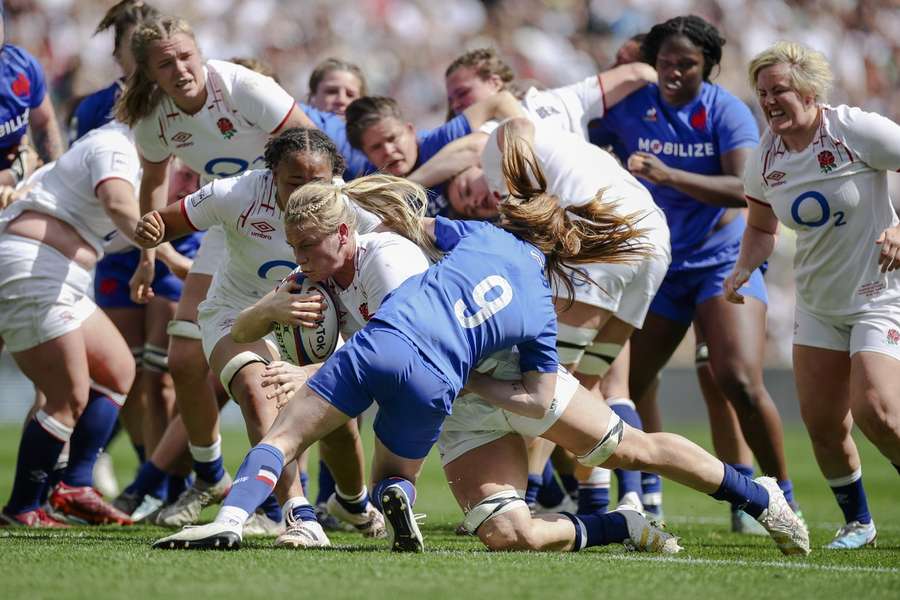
[
  {"x": 366, "y": 222},
  {"x": 37, "y": 80},
  {"x": 540, "y": 353},
  {"x": 390, "y": 265},
  {"x": 448, "y": 232},
  {"x": 148, "y": 140},
  {"x": 204, "y": 208},
  {"x": 584, "y": 99},
  {"x": 872, "y": 137},
  {"x": 113, "y": 161},
  {"x": 432, "y": 141},
  {"x": 754, "y": 186},
  {"x": 261, "y": 100},
  {"x": 735, "y": 126}
]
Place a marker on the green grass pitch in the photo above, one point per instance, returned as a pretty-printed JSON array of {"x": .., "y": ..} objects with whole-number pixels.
[{"x": 117, "y": 562}]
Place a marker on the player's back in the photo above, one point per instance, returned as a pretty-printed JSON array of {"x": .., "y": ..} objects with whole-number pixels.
[{"x": 490, "y": 292}]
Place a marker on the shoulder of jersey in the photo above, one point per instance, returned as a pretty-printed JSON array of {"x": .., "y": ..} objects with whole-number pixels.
[{"x": 19, "y": 55}]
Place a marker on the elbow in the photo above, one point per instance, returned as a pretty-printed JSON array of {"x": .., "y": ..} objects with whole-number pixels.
[{"x": 240, "y": 336}]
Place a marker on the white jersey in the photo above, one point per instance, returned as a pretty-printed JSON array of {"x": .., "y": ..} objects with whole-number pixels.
[
  {"x": 227, "y": 136},
  {"x": 66, "y": 189},
  {"x": 569, "y": 108},
  {"x": 384, "y": 260},
  {"x": 257, "y": 254},
  {"x": 834, "y": 195}
]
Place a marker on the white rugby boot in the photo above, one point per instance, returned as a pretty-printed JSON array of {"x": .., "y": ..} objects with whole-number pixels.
[
  {"x": 370, "y": 522},
  {"x": 260, "y": 524},
  {"x": 854, "y": 535},
  {"x": 644, "y": 536},
  {"x": 212, "y": 536},
  {"x": 186, "y": 510},
  {"x": 302, "y": 534},
  {"x": 402, "y": 527},
  {"x": 784, "y": 526}
]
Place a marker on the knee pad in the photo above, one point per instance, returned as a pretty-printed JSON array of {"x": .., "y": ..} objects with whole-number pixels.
[
  {"x": 701, "y": 354},
  {"x": 238, "y": 362},
  {"x": 184, "y": 329},
  {"x": 138, "y": 353},
  {"x": 156, "y": 359},
  {"x": 571, "y": 342},
  {"x": 598, "y": 358},
  {"x": 490, "y": 507},
  {"x": 607, "y": 445}
]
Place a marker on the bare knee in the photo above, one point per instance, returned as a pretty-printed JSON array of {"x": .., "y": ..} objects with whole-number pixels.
[
  {"x": 507, "y": 534},
  {"x": 186, "y": 360},
  {"x": 343, "y": 438},
  {"x": 876, "y": 420},
  {"x": 740, "y": 388}
]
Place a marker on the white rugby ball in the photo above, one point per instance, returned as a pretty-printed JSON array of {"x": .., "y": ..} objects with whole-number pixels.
[{"x": 305, "y": 345}]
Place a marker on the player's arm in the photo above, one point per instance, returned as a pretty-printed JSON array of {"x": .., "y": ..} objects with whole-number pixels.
[
  {"x": 620, "y": 82},
  {"x": 158, "y": 226},
  {"x": 282, "y": 305},
  {"x": 453, "y": 158},
  {"x": 117, "y": 197},
  {"x": 500, "y": 106},
  {"x": 756, "y": 246},
  {"x": 178, "y": 263},
  {"x": 296, "y": 118},
  {"x": 45, "y": 132},
  {"x": 531, "y": 397},
  {"x": 718, "y": 190}
]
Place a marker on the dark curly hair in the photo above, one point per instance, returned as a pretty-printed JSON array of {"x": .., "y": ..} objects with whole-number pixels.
[
  {"x": 303, "y": 139},
  {"x": 701, "y": 33}
]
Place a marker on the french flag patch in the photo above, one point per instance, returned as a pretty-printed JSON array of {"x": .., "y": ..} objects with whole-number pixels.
[{"x": 267, "y": 476}]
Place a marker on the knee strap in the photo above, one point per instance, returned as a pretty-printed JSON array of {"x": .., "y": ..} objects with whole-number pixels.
[
  {"x": 607, "y": 445},
  {"x": 492, "y": 506},
  {"x": 114, "y": 396},
  {"x": 571, "y": 342},
  {"x": 138, "y": 353},
  {"x": 184, "y": 329},
  {"x": 156, "y": 359},
  {"x": 238, "y": 362},
  {"x": 598, "y": 358},
  {"x": 701, "y": 354}
]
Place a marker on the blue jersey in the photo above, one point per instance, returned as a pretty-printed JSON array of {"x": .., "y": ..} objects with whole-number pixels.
[
  {"x": 94, "y": 110},
  {"x": 691, "y": 138},
  {"x": 22, "y": 88},
  {"x": 335, "y": 128},
  {"x": 430, "y": 142},
  {"x": 489, "y": 293}
]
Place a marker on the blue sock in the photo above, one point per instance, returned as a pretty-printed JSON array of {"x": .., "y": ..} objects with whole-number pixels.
[
  {"x": 570, "y": 484},
  {"x": 112, "y": 434},
  {"x": 628, "y": 481},
  {"x": 304, "y": 481},
  {"x": 788, "y": 488},
  {"x": 551, "y": 493},
  {"x": 579, "y": 531},
  {"x": 851, "y": 497},
  {"x": 177, "y": 486},
  {"x": 356, "y": 504},
  {"x": 742, "y": 492},
  {"x": 745, "y": 470},
  {"x": 150, "y": 480},
  {"x": 603, "y": 529},
  {"x": 256, "y": 478},
  {"x": 208, "y": 463},
  {"x": 303, "y": 512},
  {"x": 651, "y": 492},
  {"x": 272, "y": 508},
  {"x": 326, "y": 483},
  {"x": 406, "y": 484},
  {"x": 88, "y": 438},
  {"x": 593, "y": 494},
  {"x": 38, "y": 451},
  {"x": 141, "y": 452},
  {"x": 533, "y": 488}
]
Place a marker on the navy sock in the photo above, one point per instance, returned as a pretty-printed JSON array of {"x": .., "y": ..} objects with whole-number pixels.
[
  {"x": 256, "y": 478},
  {"x": 406, "y": 484},
  {"x": 604, "y": 529},
  {"x": 745, "y": 470},
  {"x": 851, "y": 497},
  {"x": 88, "y": 438},
  {"x": 38, "y": 451},
  {"x": 303, "y": 512},
  {"x": 150, "y": 480},
  {"x": 651, "y": 492},
  {"x": 326, "y": 483},
  {"x": 355, "y": 504},
  {"x": 272, "y": 508},
  {"x": 570, "y": 484},
  {"x": 177, "y": 485},
  {"x": 112, "y": 435},
  {"x": 140, "y": 451},
  {"x": 742, "y": 492},
  {"x": 592, "y": 500},
  {"x": 551, "y": 493},
  {"x": 628, "y": 481},
  {"x": 208, "y": 463},
  {"x": 788, "y": 488},
  {"x": 304, "y": 481},
  {"x": 534, "y": 486}
]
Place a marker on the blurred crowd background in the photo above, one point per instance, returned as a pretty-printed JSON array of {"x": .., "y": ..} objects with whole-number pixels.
[{"x": 404, "y": 46}]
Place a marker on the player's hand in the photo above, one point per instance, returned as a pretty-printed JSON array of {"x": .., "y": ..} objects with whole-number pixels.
[
  {"x": 141, "y": 283},
  {"x": 150, "y": 230},
  {"x": 889, "y": 240},
  {"x": 648, "y": 166},
  {"x": 287, "y": 307},
  {"x": 735, "y": 281},
  {"x": 283, "y": 380},
  {"x": 7, "y": 195}
]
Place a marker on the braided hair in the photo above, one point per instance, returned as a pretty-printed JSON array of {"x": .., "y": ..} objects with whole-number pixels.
[
  {"x": 701, "y": 33},
  {"x": 302, "y": 139}
]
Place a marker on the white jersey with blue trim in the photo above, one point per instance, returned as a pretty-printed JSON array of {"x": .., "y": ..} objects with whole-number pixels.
[
  {"x": 227, "y": 136},
  {"x": 568, "y": 108},
  {"x": 834, "y": 195},
  {"x": 66, "y": 188},
  {"x": 257, "y": 254}
]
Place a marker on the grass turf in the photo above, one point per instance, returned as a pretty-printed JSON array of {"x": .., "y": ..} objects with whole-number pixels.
[{"x": 117, "y": 562}]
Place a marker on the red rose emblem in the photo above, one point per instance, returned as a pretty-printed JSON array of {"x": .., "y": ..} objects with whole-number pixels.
[
  {"x": 226, "y": 127},
  {"x": 826, "y": 160}
]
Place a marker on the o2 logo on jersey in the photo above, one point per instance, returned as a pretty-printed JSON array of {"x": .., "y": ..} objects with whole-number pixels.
[
  {"x": 282, "y": 269},
  {"x": 812, "y": 210},
  {"x": 486, "y": 308},
  {"x": 229, "y": 166}
]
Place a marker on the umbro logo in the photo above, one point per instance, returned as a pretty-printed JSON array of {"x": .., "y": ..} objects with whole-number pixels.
[
  {"x": 775, "y": 178},
  {"x": 263, "y": 230},
  {"x": 182, "y": 139}
]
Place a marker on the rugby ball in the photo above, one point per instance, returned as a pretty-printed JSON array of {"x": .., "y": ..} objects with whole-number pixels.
[{"x": 305, "y": 345}]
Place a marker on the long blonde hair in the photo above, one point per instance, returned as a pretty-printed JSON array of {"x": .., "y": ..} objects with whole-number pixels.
[
  {"x": 318, "y": 208},
  {"x": 142, "y": 95},
  {"x": 590, "y": 233}
]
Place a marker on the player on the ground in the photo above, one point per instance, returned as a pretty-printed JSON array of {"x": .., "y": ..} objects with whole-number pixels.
[{"x": 822, "y": 171}]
